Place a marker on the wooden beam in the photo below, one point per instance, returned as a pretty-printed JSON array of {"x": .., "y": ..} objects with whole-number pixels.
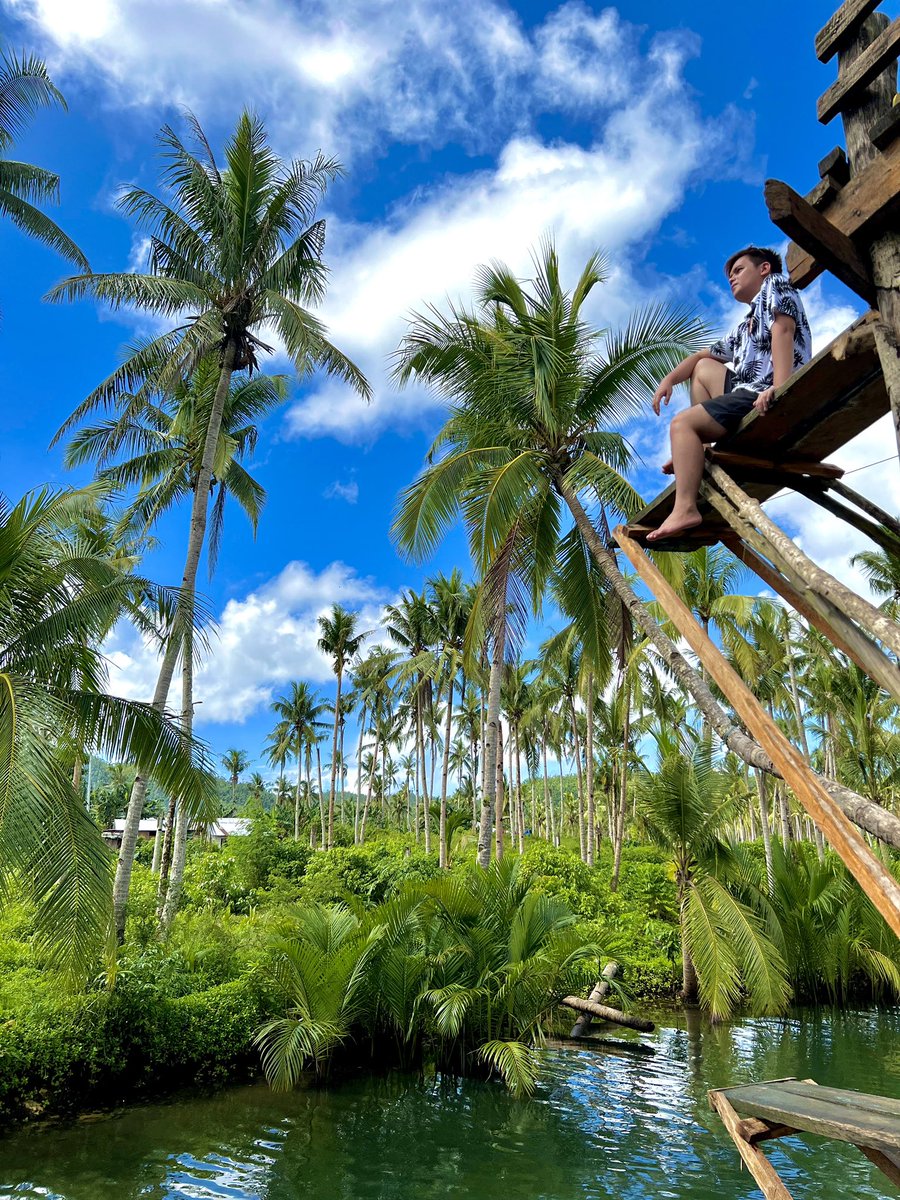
[
  {"x": 817, "y": 470},
  {"x": 885, "y": 130},
  {"x": 846, "y": 840},
  {"x": 871, "y": 197},
  {"x": 853, "y": 82},
  {"x": 885, "y": 1163},
  {"x": 878, "y": 534},
  {"x": 815, "y": 233},
  {"x": 781, "y": 587},
  {"x": 843, "y": 22},
  {"x": 863, "y": 613},
  {"x": 833, "y": 621},
  {"x": 834, "y": 166},
  {"x": 758, "y": 1165},
  {"x": 866, "y": 505}
]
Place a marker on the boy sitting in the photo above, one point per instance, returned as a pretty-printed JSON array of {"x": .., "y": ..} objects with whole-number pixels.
[{"x": 764, "y": 349}]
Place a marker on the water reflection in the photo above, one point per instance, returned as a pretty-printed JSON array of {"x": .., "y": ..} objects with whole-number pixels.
[{"x": 602, "y": 1125}]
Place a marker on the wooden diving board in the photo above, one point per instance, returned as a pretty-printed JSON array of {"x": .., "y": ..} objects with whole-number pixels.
[
  {"x": 823, "y": 406},
  {"x": 757, "y": 1112}
]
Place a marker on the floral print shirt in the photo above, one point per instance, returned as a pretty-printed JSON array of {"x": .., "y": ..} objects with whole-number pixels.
[{"x": 749, "y": 345}]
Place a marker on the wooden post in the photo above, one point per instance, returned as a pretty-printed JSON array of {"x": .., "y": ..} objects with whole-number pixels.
[
  {"x": 869, "y": 872},
  {"x": 865, "y": 614},
  {"x": 759, "y": 1166},
  {"x": 884, "y": 252},
  {"x": 833, "y": 621}
]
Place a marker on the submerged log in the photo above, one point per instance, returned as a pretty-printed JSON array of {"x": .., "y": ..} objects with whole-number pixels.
[
  {"x": 601, "y": 987},
  {"x": 602, "y": 1013}
]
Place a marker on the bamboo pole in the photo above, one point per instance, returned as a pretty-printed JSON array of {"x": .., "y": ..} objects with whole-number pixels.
[
  {"x": 864, "y": 613},
  {"x": 836, "y": 624},
  {"x": 871, "y": 874}
]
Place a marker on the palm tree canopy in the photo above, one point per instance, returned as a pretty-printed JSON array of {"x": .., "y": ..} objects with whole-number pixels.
[
  {"x": 162, "y": 443},
  {"x": 26, "y": 87},
  {"x": 59, "y": 597},
  {"x": 237, "y": 252}
]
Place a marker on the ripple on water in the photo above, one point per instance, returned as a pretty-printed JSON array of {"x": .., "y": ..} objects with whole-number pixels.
[{"x": 602, "y": 1125}]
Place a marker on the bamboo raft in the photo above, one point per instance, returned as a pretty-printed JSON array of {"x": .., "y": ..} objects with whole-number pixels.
[{"x": 758, "y": 1112}]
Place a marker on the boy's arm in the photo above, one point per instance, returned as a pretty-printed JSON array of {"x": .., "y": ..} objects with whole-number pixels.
[
  {"x": 681, "y": 374},
  {"x": 782, "y": 358}
]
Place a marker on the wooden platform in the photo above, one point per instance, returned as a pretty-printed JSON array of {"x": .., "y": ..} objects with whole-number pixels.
[
  {"x": 758, "y": 1112},
  {"x": 836, "y": 396}
]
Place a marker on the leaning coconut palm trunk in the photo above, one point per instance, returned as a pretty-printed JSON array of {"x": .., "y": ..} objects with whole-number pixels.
[{"x": 870, "y": 817}]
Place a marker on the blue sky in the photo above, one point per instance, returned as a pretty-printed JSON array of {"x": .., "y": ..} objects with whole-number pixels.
[{"x": 466, "y": 134}]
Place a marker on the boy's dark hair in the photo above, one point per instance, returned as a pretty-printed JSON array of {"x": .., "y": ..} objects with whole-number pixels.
[{"x": 760, "y": 255}]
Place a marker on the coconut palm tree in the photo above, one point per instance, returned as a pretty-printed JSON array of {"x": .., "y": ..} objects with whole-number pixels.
[
  {"x": 235, "y": 763},
  {"x": 235, "y": 251},
  {"x": 452, "y": 602},
  {"x": 159, "y": 451},
  {"x": 882, "y": 570},
  {"x": 341, "y": 640},
  {"x": 26, "y": 87},
  {"x": 536, "y": 400},
  {"x": 60, "y": 598},
  {"x": 724, "y": 944},
  {"x": 300, "y": 713}
]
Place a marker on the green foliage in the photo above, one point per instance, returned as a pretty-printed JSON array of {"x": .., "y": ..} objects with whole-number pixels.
[{"x": 370, "y": 873}]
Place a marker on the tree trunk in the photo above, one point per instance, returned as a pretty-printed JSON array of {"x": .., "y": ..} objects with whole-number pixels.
[
  {"x": 766, "y": 831},
  {"x": 689, "y": 985},
  {"x": 323, "y": 817},
  {"x": 608, "y": 1014},
  {"x": 623, "y": 788},
  {"x": 870, "y": 817},
  {"x": 443, "y": 855},
  {"x": 520, "y": 807},
  {"x": 420, "y": 738},
  {"x": 576, "y": 741},
  {"x": 365, "y": 812},
  {"x": 589, "y": 771},
  {"x": 165, "y": 860},
  {"x": 329, "y": 841},
  {"x": 183, "y": 616},
  {"x": 548, "y": 802},
  {"x": 501, "y": 798},
  {"x": 358, "y": 799},
  {"x": 169, "y": 905},
  {"x": 601, "y": 987},
  {"x": 492, "y": 732}
]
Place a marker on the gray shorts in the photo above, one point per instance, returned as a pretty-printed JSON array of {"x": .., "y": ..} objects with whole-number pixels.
[{"x": 731, "y": 408}]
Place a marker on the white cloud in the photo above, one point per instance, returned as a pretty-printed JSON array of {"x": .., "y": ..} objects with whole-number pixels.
[
  {"x": 342, "y": 491},
  {"x": 262, "y": 641}
]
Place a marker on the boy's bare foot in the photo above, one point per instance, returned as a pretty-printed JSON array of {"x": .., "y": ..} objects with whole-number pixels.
[
  {"x": 673, "y": 525},
  {"x": 668, "y": 467}
]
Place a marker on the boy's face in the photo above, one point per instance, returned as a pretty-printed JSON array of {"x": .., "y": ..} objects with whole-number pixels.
[{"x": 746, "y": 277}]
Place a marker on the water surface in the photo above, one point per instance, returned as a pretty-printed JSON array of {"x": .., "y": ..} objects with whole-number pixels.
[{"x": 602, "y": 1125}]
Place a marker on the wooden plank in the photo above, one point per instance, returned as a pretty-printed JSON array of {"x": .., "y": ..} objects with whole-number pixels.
[
  {"x": 844, "y": 94},
  {"x": 869, "y": 200},
  {"x": 811, "y": 1114},
  {"x": 885, "y": 1106},
  {"x": 846, "y": 840},
  {"x": 889, "y": 1164},
  {"x": 834, "y": 166},
  {"x": 756, "y": 1131},
  {"x": 885, "y": 130},
  {"x": 735, "y": 462},
  {"x": 758, "y": 1165},
  {"x": 813, "y": 231},
  {"x": 843, "y": 22}
]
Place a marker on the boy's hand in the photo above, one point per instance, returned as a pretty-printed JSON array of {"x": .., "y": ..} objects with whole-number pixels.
[
  {"x": 662, "y": 395},
  {"x": 763, "y": 400}
]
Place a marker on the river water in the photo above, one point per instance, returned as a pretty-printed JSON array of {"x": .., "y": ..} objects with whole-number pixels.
[{"x": 602, "y": 1124}]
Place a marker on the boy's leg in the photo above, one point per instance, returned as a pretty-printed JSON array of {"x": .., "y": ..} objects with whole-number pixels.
[
  {"x": 707, "y": 382},
  {"x": 692, "y": 429}
]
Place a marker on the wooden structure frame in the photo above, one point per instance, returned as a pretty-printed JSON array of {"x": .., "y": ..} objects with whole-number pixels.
[
  {"x": 847, "y": 225},
  {"x": 758, "y": 1112}
]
